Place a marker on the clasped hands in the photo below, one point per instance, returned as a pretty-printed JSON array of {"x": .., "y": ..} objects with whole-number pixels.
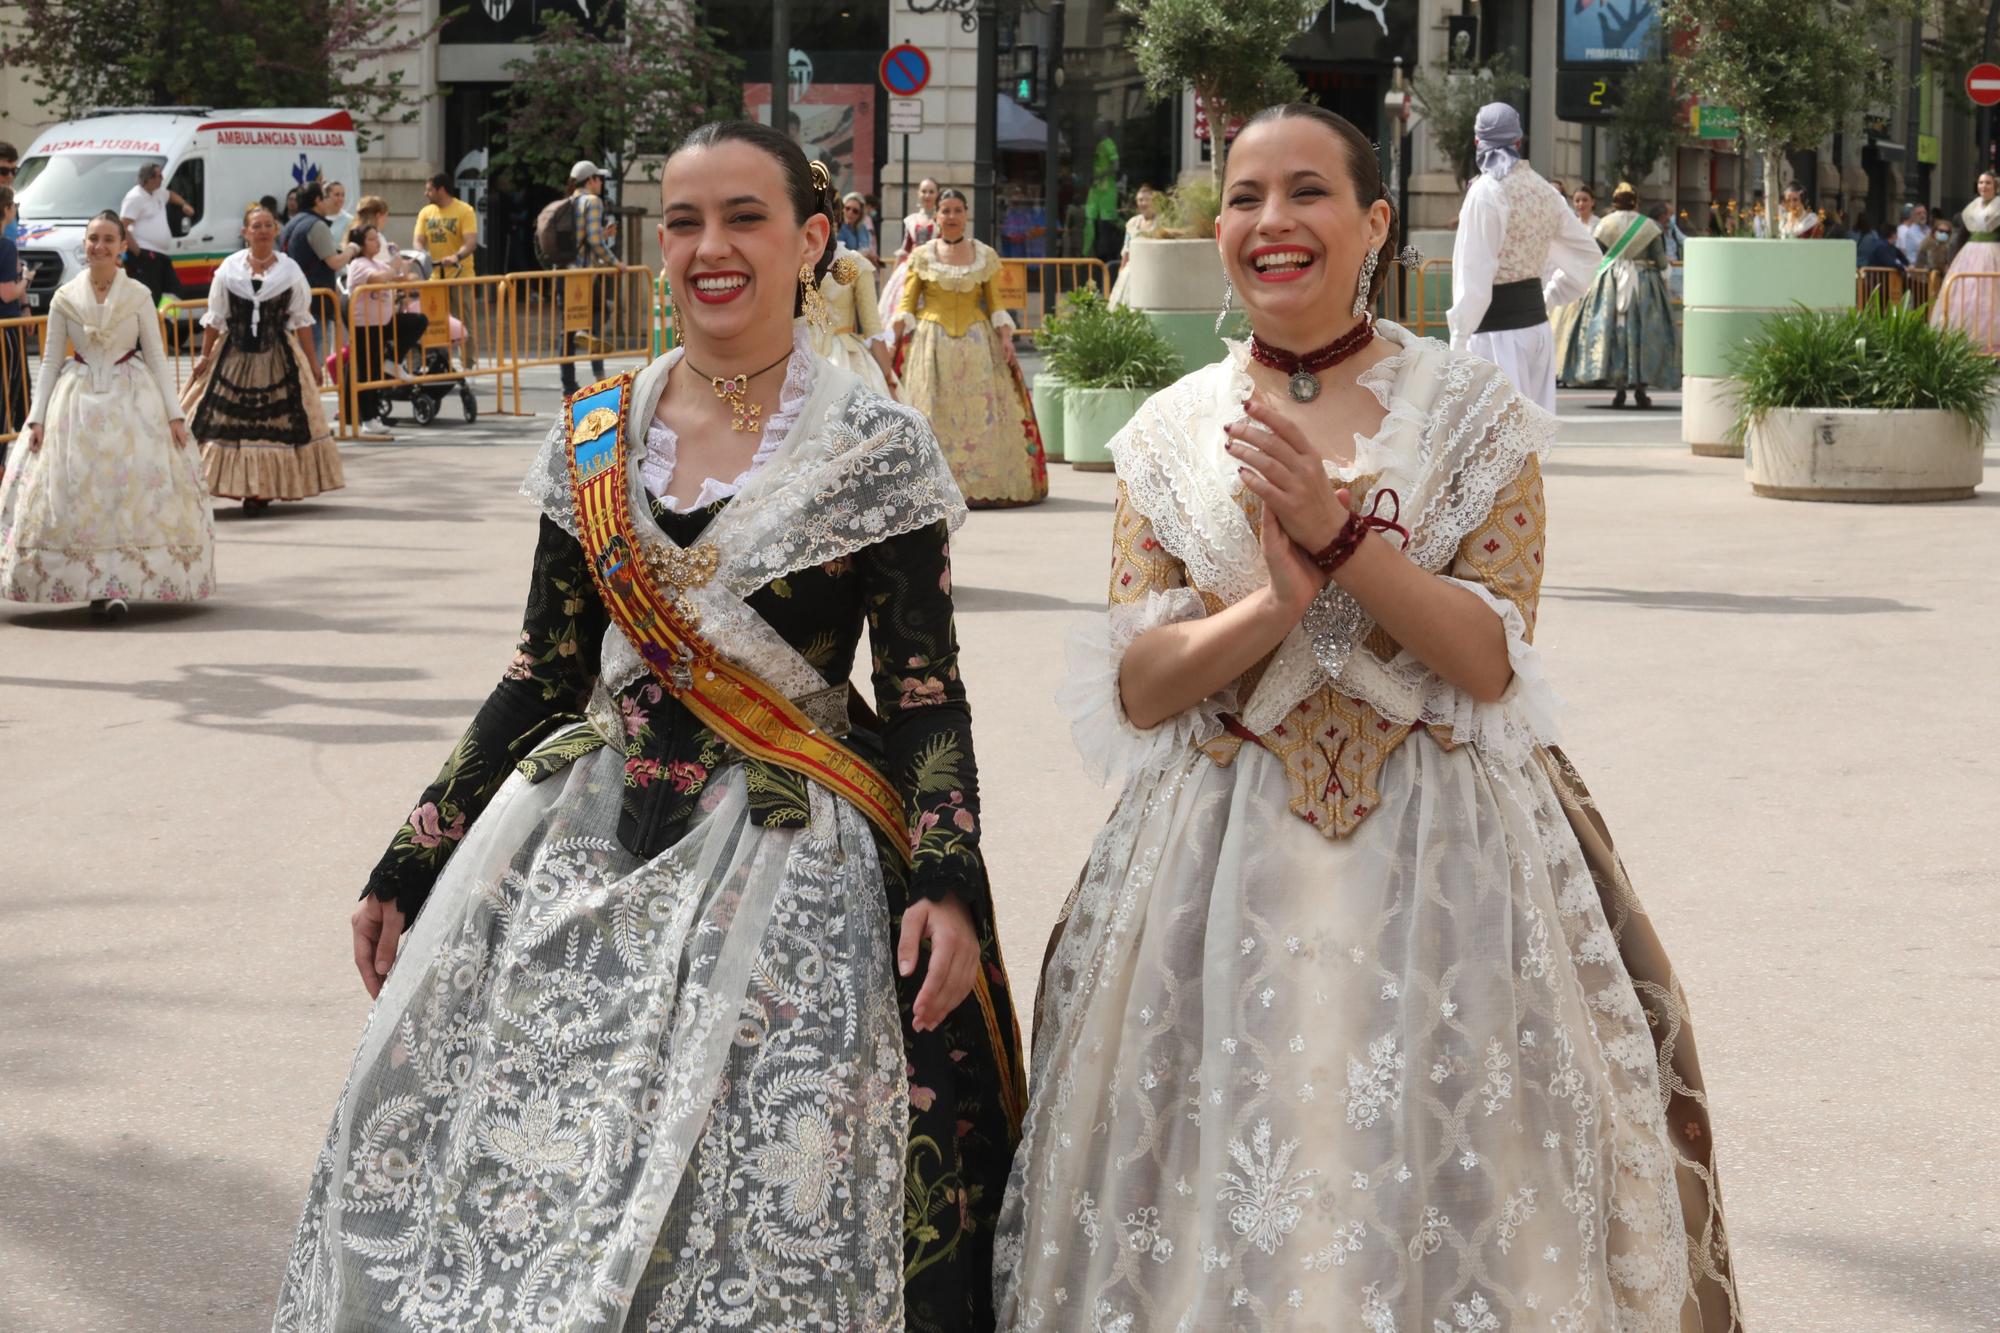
[{"x": 1303, "y": 513}]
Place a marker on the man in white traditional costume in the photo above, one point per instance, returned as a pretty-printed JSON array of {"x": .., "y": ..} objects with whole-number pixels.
[{"x": 1519, "y": 251}]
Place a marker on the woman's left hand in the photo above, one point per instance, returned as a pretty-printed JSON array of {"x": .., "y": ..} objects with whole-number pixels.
[
  {"x": 884, "y": 359},
  {"x": 1007, "y": 348},
  {"x": 1288, "y": 475},
  {"x": 181, "y": 436},
  {"x": 954, "y": 957}
]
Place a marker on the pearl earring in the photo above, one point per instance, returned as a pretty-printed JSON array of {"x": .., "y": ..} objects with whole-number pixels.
[{"x": 1228, "y": 299}]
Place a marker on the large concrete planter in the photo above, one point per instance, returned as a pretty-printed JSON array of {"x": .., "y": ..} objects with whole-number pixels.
[
  {"x": 1047, "y": 391},
  {"x": 1863, "y": 455},
  {"x": 1733, "y": 286},
  {"x": 1179, "y": 285},
  {"x": 1090, "y": 418}
]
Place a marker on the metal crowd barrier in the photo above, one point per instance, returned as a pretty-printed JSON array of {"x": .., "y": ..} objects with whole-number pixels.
[
  {"x": 435, "y": 353},
  {"x": 581, "y": 314},
  {"x": 17, "y": 383},
  {"x": 1031, "y": 287}
]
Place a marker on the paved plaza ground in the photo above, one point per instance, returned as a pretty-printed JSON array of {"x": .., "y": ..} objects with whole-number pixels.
[{"x": 1786, "y": 711}]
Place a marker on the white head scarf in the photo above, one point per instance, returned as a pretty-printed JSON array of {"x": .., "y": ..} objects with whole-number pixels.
[{"x": 1497, "y": 134}]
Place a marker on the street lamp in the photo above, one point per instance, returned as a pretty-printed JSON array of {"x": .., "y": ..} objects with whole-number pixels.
[{"x": 980, "y": 16}]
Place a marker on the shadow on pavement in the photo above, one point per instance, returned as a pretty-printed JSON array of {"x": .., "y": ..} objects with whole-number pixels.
[
  {"x": 134, "y": 1237},
  {"x": 967, "y": 597},
  {"x": 1069, "y": 504},
  {"x": 244, "y": 697},
  {"x": 1553, "y": 469},
  {"x": 1947, "y": 1280},
  {"x": 1731, "y": 603}
]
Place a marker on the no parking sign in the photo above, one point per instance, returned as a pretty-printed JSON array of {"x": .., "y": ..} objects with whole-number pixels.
[{"x": 905, "y": 70}]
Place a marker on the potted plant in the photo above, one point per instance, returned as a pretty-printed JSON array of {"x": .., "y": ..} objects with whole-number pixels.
[
  {"x": 1233, "y": 56},
  {"x": 1047, "y": 386},
  {"x": 1110, "y": 361},
  {"x": 1794, "y": 71},
  {"x": 1874, "y": 405}
]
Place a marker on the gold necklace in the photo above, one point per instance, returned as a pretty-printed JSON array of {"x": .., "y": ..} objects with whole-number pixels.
[{"x": 732, "y": 388}]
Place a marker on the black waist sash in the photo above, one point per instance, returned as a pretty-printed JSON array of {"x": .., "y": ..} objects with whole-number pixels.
[{"x": 1515, "y": 305}]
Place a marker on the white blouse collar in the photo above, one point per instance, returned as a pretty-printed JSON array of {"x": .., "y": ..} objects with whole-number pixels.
[{"x": 663, "y": 445}]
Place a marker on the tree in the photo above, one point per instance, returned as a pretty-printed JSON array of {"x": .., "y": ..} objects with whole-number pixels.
[
  {"x": 1231, "y": 51},
  {"x": 671, "y": 76},
  {"x": 1449, "y": 100},
  {"x": 216, "y": 53},
  {"x": 1795, "y": 70},
  {"x": 1645, "y": 125}
]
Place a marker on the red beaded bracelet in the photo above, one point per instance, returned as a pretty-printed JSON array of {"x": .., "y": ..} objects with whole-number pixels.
[{"x": 1348, "y": 540}]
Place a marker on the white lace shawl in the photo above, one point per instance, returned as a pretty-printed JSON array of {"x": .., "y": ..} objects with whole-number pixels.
[
  {"x": 855, "y": 469},
  {"x": 232, "y": 283},
  {"x": 1455, "y": 434}
]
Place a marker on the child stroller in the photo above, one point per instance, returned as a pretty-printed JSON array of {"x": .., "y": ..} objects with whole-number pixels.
[{"x": 424, "y": 397}]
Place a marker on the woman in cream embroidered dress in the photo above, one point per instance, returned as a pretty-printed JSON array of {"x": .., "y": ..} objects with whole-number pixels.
[
  {"x": 853, "y": 337},
  {"x": 1353, "y": 1022},
  {"x": 959, "y": 368},
  {"x": 1974, "y": 303},
  {"x": 660, "y": 1051},
  {"x": 254, "y": 400},
  {"x": 105, "y": 503}
]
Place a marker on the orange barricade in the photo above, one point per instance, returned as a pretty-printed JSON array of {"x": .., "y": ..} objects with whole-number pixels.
[
  {"x": 1031, "y": 287},
  {"x": 582, "y": 315},
  {"x": 17, "y": 376},
  {"x": 441, "y": 333}
]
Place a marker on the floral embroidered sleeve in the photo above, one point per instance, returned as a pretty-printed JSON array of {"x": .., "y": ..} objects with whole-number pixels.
[
  {"x": 554, "y": 664},
  {"x": 926, "y": 725}
]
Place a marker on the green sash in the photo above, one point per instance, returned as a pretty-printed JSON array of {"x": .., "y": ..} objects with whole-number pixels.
[{"x": 1631, "y": 240}]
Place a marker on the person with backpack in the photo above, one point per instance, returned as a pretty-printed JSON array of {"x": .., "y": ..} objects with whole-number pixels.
[
  {"x": 572, "y": 233},
  {"x": 307, "y": 240}
]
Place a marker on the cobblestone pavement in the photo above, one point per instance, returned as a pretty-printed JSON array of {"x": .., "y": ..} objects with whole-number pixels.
[{"x": 1785, "y": 710}]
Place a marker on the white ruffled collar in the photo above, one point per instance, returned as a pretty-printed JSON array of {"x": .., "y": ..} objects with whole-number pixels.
[
  {"x": 663, "y": 445},
  {"x": 1393, "y": 447}
]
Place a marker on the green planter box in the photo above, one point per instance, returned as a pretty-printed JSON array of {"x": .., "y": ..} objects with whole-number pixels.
[
  {"x": 1047, "y": 391},
  {"x": 1733, "y": 287},
  {"x": 1090, "y": 418},
  {"x": 1193, "y": 334}
]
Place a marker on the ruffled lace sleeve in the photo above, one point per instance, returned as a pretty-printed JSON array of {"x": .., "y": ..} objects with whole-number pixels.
[
  {"x": 1500, "y": 562},
  {"x": 1149, "y": 588}
]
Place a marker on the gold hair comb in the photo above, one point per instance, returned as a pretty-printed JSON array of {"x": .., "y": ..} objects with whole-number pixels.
[{"x": 822, "y": 178}]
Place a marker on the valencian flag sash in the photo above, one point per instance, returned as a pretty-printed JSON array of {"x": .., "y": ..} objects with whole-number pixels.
[{"x": 641, "y": 587}]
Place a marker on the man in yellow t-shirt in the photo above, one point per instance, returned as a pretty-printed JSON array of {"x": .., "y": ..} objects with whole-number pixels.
[{"x": 448, "y": 231}]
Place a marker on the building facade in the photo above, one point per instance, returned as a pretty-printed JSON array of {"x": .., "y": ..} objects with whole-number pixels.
[{"x": 1066, "y": 85}]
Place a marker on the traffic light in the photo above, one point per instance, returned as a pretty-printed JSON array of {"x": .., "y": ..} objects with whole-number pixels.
[{"x": 1024, "y": 88}]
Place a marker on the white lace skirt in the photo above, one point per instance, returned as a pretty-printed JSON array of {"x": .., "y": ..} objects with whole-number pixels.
[
  {"x": 586, "y": 1070},
  {"x": 1400, "y": 1081}
]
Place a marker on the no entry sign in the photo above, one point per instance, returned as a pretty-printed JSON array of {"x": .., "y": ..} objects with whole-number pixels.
[
  {"x": 1982, "y": 84},
  {"x": 906, "y": 69}
]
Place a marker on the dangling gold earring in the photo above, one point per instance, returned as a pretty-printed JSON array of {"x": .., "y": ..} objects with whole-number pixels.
[
  {"x": 680, "y": 329},
  {"x": 817, "y": 312}
]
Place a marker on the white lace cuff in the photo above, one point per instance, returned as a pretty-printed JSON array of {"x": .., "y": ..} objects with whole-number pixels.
[
  {"x": 904, "y": 322},
  {"x": 1003, "y": 320},
  {"x": 1113, "y": 749},
  {"x": 1506, "y": 730}
]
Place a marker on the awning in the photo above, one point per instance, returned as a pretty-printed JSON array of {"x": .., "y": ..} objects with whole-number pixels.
[{"x": 1017, "y": 129}]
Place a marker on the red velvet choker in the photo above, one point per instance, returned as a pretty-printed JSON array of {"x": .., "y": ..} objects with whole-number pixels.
[{"x": 1304, "y": 370}]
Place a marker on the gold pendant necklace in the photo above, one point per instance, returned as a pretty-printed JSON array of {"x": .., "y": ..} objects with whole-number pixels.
[{"x": 731, "y": 389}]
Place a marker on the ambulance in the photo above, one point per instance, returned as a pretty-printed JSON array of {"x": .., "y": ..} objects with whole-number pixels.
[{"x": 220, "y": 162}]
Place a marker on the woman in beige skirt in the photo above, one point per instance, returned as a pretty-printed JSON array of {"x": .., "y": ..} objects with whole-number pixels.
[{"x": 254, "y": 400}]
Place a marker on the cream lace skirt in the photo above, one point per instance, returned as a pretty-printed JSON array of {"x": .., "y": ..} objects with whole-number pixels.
[
  {"x": 980, "y": 411},
  {"x": 1402, "y": 1081},
  {"x": 599, "y": 1093},
  {"x": 108, "y": 507}
]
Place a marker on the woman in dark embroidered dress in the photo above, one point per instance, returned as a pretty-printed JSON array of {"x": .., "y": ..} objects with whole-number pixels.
[
  {"x": 254, "y": 400},
  {"x": 662, "y": 1049}
]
